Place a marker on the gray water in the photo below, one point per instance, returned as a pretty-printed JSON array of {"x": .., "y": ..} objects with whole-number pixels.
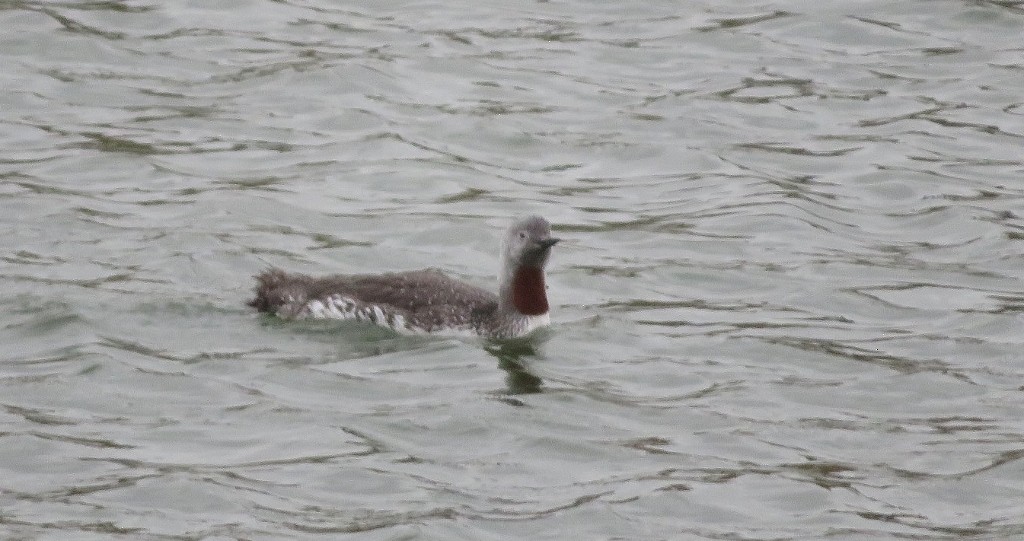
[{"x": 789, "y": 304}]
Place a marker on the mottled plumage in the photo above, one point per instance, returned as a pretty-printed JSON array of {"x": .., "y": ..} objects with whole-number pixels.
[{"x": 426, "y": 300}]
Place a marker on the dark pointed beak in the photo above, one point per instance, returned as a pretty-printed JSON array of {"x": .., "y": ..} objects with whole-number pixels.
[{"x": 548, "y": 242}]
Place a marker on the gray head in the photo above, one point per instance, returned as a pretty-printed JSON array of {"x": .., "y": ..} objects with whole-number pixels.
[
  {"x": 527, "y": 243},
  {"x": 524, "y": 252}
]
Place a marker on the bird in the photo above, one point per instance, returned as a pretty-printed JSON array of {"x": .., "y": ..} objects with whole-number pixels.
[{"x": 426, "y": 301}]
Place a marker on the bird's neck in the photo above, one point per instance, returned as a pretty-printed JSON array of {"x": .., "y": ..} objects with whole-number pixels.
[{"x": 524, "y": 291}]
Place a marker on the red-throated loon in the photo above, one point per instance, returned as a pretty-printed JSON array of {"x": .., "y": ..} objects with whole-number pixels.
[{"x": 426, "y": 300}]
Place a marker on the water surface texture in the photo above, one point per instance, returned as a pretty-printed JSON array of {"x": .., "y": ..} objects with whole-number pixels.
[{"x": 789, "y": 303}]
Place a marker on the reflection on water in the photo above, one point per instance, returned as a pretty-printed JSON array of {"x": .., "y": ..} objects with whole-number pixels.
[
  {"x": 790, "y": 307},
  {"x": 513, "y": 357}
]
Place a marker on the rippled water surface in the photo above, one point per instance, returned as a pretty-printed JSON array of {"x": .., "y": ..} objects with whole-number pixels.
[{"x": 789, "y": 304}]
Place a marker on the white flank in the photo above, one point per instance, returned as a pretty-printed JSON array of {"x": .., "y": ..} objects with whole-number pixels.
[
  {"x": 345, "y": 308},
  {"x": 333, "y": 307}
]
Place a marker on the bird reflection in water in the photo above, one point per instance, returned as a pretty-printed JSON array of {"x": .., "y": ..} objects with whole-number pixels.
[{"x": 512, "y": 357}]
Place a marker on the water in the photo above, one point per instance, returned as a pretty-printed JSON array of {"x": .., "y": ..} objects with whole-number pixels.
[{"x": 788, "y": 306}]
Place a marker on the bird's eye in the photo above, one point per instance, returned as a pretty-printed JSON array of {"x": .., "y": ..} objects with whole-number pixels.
[{"x": 522, "y": 234}]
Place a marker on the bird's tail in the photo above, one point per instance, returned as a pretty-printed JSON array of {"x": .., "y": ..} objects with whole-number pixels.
[{"x": 272, "y": 291}]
